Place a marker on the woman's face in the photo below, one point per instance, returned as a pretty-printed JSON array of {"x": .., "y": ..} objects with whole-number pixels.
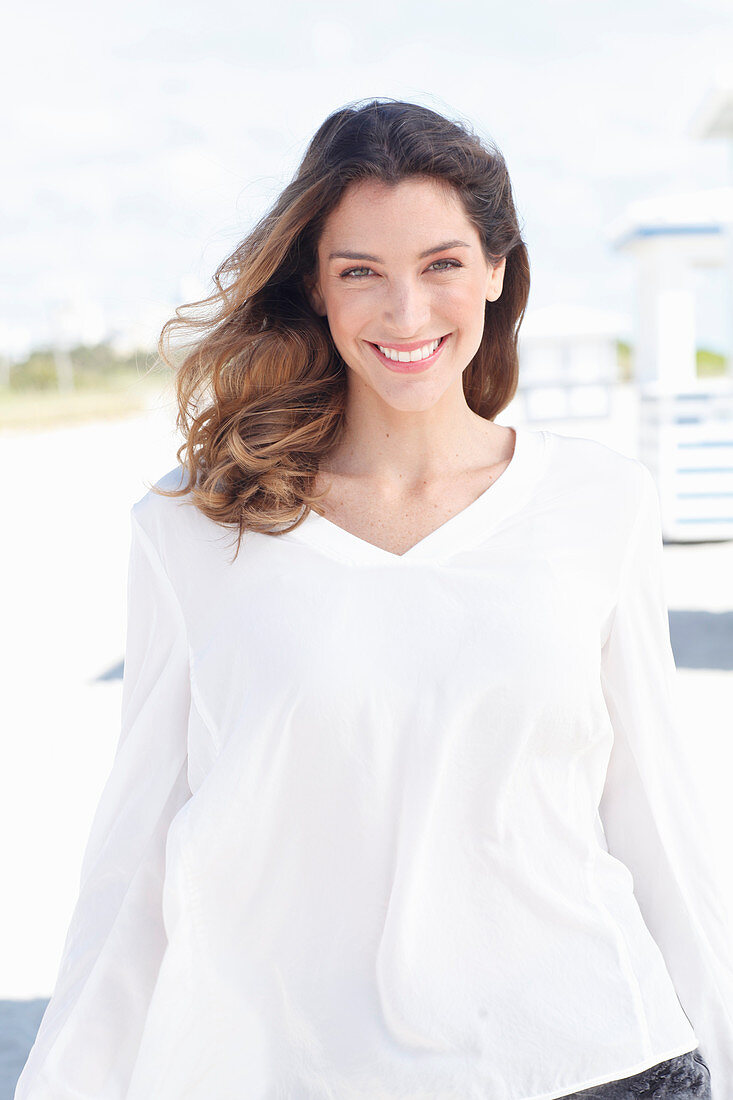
[{"x": 401, "y": 267}]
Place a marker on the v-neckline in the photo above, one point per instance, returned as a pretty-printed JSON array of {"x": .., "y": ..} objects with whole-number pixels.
[{"x": 458, "y": 532}]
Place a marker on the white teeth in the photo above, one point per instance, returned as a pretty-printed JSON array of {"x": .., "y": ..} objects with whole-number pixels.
[{"x": 409, "y": 356}]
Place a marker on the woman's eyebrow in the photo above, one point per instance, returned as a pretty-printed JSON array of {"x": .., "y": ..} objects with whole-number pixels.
[{"x": 375, "y": 259}]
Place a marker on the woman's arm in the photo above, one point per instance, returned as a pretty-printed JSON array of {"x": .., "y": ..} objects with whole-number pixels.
[
  {"x": 652, "y": 807},
  {"x": 89, "y": 1035}
]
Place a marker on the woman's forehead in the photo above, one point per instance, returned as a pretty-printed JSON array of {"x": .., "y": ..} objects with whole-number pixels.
[{"x": 411, "y": 207}]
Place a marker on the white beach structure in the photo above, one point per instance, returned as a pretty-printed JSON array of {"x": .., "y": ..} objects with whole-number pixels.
[
  {"x": 569, "y": 362},
  {"x": 686, "y": 422}
]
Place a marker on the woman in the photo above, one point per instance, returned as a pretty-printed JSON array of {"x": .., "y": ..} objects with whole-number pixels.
[{"x": 398, "y": 807}]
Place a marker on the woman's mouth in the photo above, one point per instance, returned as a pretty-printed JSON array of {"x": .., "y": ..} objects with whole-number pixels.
[{"x": 410, "y": 362}]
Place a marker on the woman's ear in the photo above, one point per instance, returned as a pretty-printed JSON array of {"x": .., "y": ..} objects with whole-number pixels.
[
  {"x": 314, "y": 295},
  {"x": 495, "y": 280}
]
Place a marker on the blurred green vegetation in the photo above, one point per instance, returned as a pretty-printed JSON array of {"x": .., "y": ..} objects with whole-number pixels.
[
  {"x": 710, "y": 364},
  {"x": 93, "y": 367},
  {"x": 625, "y": 361},
  {"x": 53, "y": 388}
]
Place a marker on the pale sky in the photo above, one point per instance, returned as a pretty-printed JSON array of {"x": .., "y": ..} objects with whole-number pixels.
[{"x": 144, "y": 138}]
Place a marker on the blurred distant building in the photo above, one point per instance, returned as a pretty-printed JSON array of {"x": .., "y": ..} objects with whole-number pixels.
[
  {"x": 670, "y": 237},
  {"x": 685, "y": 422},
  {"x": 569, "y": 361}
]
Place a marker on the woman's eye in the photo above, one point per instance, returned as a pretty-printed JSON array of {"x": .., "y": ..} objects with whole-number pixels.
[
  {"x": 360, "y": 272},
  {"x": 451, "y": 263}
]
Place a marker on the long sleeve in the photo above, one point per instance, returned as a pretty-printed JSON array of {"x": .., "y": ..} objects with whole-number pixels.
[
  {"x": 652, "y": 807},
  {"x": 90, "y": 1033}
]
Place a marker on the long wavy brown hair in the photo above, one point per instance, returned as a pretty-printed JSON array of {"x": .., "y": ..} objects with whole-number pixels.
[{"x": 261, "y": 387}]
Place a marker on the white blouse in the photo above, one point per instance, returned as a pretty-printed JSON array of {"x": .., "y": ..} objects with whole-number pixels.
[{"x": 383, "y": 826}]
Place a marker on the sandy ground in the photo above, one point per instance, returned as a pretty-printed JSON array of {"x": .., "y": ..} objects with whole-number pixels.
[{"x": 68, "y": 494}]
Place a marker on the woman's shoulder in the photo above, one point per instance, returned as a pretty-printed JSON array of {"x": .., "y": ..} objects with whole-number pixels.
[
  {"x": 605, "y": 486},
  {"x": 170, "y": 522},
  {"x": 589, "y": 460},
  {"x": 157, "y": 507}
]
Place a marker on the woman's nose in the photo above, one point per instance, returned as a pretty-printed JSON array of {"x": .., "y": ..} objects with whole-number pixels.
[{"x": 407, "y": 309}]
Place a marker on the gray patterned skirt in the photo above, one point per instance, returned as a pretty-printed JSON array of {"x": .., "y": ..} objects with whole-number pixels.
[{"x": 685, "y": 1077}]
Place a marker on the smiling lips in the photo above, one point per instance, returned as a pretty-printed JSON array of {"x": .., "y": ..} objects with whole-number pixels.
[{"x": 409, "y": 356}]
